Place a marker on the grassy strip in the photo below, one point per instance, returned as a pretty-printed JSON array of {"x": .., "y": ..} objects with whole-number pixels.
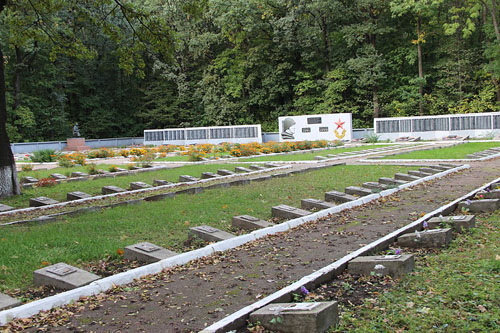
[
  {"x": 456, "y": 290},
  {"x": 455, "y": 152},
  {"x": 94, "y": 186},
  {"x": 310, "y": 156},
  {"x": 93, "y": 236},
  {"x": 185, "y": 158},
  {"x": 45, "y": 173}
]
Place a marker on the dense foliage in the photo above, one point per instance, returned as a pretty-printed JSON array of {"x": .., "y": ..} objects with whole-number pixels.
[{"x": 246, "y": 61}]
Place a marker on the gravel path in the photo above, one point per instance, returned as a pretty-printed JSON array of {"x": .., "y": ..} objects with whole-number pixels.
[{"x": 191, "y": 297}]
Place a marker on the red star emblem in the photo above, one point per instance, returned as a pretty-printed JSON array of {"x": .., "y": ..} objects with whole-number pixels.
[{"x": 339, "y": 124}]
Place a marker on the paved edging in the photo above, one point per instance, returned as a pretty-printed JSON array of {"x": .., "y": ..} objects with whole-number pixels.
[
  {"x": 102, "y": 285},
  {"x": 237, "y": 319}
]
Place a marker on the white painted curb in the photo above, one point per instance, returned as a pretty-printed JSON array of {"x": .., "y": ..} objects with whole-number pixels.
[{"x": 102, "y": 285}]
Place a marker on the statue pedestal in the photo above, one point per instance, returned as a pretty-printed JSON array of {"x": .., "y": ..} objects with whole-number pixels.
[{"x": 75, "y": 144}]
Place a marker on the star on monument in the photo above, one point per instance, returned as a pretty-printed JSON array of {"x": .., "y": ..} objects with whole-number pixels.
[{"x": 339, "y": 124}]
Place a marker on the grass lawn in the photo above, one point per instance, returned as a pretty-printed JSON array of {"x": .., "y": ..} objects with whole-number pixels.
[
  {"x": 457, "y": 290},
  {"x": 310, "y": 156},
  {"x": 94, "y": 186},
  {"x": 44, "y": 173},
  {"x": 455, "y": 152},
  {"x": 93, "y": 236}
]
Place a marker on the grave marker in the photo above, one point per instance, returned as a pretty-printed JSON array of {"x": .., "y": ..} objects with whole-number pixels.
[
  {"x": 242, "y": 169},
  {"x": 139, "y": 185},
  {"x": 161, "y": 182},
  {"x": 5, "y": 208},
  {"x": 457, "y": 223},
  {"x": 63, "y": 276},
  {"x": 256, "y": 167},
  {"x": 484, "y": 205},
  {"x": 309, "y": 317},
  {"x": 338, "y": 197},
  {"x": 493, "y": 194},
  {"x": 29, "y": 180},
  {"x": 419, "y": 174},
  {"x": 112, "y": 189},
  {"x": 147, "y": 252},
  {"x": 271, "y": 165},
  {"x": 42, "y": 201},
  {"x": 208, "y": 175},
  {"x": 430, "y": 170},
  {"x": 405, "y": 177},
  {"x": 208, "y": 233},
  {"x": 187, "y": 179},
  {"x": 391, "y": 181},
  {"x": 288, "y": 212},
  {"x": 58, "y": 176},
  {"x": 77, "y": 195},
  {"x": 308, "y": 204},
  {"x": 320, "y": 158},
  {"x": 375, "y": 186},
  {"x": 79, "y": 174},
  {"x": 393, "y": 265},
  {"x": 225, "y": 172},
  {"x": 355, "y": 190},
  {"x": 7, "y": 302},
  {"x": 248, "y": 222},
  {"x": 435, "y": 238}
]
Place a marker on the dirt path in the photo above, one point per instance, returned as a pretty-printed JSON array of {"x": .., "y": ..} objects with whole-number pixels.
[{"x": 193, "y": 296}]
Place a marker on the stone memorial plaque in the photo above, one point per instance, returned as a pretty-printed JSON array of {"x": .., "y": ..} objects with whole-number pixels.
[
  {"x": 249, "y": 218},
  {"x": 301, "y": 307},
  {"x": 5, "y": 208},
  {"x": 209, "y": 234},
  {"x": 206, "y": 228},
  {"x": 287, "y": 212},
  {"x": 208, "y": 175},
  {"x": 112, "y": 189},
  {"x": 78, "y": 174},
  {"x": 29, "y": 180},
  {"x": 58, "y": 176},
  {"x": 61, "y": 269},
  {"x": 393, "y": 265},
  {"x": 436, "y": 238},
  {"x": 42, "y": 201},
  {"x": 459, "y": 218},
  {"x": 287, "y": 208},
  {"x": 139, "y": 185},
  {"x": 7, "y": 302},
  {"x": 187, "y": 178},
  {"x": 389, "y": 257},
  {"x": 147, "y": 247},
  {"x": 77, "y": 195}
]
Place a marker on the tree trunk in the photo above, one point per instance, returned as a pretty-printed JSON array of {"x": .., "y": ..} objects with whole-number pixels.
[
  {"x": 376, "y": 104},
  {"x": 420, "y": 67},
  {"x": 494, "y": 19},
  {"x": 8, "y": 174}
]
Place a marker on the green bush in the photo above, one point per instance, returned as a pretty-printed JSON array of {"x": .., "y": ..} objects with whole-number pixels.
[
  {"x": 372, "y": 138},
  {"x": 44, "y": 155}
]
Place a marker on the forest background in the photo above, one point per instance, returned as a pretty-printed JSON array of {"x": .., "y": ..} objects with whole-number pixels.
[{"x": 249, "y": 61}]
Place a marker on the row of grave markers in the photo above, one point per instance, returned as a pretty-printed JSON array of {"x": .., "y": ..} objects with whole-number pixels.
[
  {"x": 485, "y": 153},
  {"x": 352, "y": 153}
]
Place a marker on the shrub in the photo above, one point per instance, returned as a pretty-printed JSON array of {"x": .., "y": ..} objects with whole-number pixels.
[
  {"x": 92, "y": 169},
  {"x": 44, "y": 155},
  {"x": 372, "y": 138},
  {"x": 46, "y": 182},
  {"x": 100, "y": 153},
  {"x": 65, "y": 161},
  {"x": 145, "y": 160},
  {"x": 27, "y": 167},
  {"x": 79, "y": 158}
]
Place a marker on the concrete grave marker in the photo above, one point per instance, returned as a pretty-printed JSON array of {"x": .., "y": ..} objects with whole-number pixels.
[
  {"x": 457, "y": 223},
  {"x": 58, "y": 176},
  {"x": 375, "y": 186},
  {"x": 484, "y": 205},
  {"x": 139, "y": 185},
  {"x": 336, "y": 196},
  {"x": 430, "y": 170},
  {"x": 160, "y": 182},
  {"x": 187, "y": 179},
  {"x": 270, "y": 165},
  {"x": 77, "y": 195},
  {"x": 395, "y": 265},
  {"x": 103, "y": 172},
  {"x": 315, "y": 204},
  {"x": 248, "y": 222},
  {"x": 288, "y": 212},
  {"x": 63, "y": 276},
  {"x": 355, "y": 190},
  {"x": 208, "y": 175},
  {"x": 79, "y": 174},
  {"x": 242, "y": 169},
  {"x": 28, "y": 180},
  {"x": 436, "y": 238},
  {"x": 440, "y": 167},
  {"x": 315, "y": 317},
  {"x": 391, "y": 181},
  {"x": 7, "y": 302},
  {"x": 256, "y": 167},
  {"x": 320, "y": 158},
  {"x": 112, "y": 189},
  {"x": 225, "y": 172},
  {"x": 208, "y": 233},
  {"x": 493, "y": 194},
  {"x": 42, "y": 201},
  {"x": 147, "y": 252},
  {"x": 419, "y": 174},
  {"x": 5, "y": 208},
  {"x": 405, "y": 177}
]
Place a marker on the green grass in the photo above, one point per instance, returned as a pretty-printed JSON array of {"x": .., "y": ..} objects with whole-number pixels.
[
  {"x": 44, "y": 173},
  {"x": 310, "y": 156},
  {"x": 93, "y": 236},
  {"x": 457, "y": 290},
  {"x": 94, "y": 186},
  {"x": 456, "y": 152}
]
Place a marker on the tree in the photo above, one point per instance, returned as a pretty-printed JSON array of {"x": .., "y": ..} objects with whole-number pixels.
[{"x": 137, "y": 30}]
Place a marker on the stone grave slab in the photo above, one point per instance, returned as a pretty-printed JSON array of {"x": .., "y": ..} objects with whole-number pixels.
[
  {"x": 7, "y": 302},
  {"x": 103, "y": 172},
  {"x": 248, "y": 222},
  {"x": 435, "y": 238},
  {"x": 5, "y": 208},
  {"x": 419, "y": 174},
  {"x": 112, "y": 189},
  {"x": 77, "y": 195},
  {"x": 28, "y": 180},
  {"x": 147, "y": 252},
  {"x": 58, "y": 176},
  {"x": 375, "y": 186},
  {"x": 391, "y": 181},
  {"x": 458, "y": 223},
  {"x": 208, "y": 175},
  {"x": 209, "y": 234},
  {"x": 405, "y": 177},
  {"x": 311, "y": 317},
  {"x": 139, "y": 185},
  {"x": 79, "y": 174},
  {"x": 160, "y": 182},
  {"x": 309, "y": 204},
  {"x": 320, "y": 158},
  {"x": 495, "y": 186},
  {"x": 225, "y": 172},
  {"x": 336, "y": 196},
  {"x": 440, "y": 167},
  {"x": 288, "y": 212},
  {"x": 271, "y": 165},
  {"x": 484, "y": 205},
  {"x": 450, "y": 166},
  {"x": 242, "y": 169},
  {"x": 187, "y": 178},
  {"x": 63, "y": 276},
  {"x": 393, "y": 265},
  {"x": 42, "y": 201},
  {"x": 493, "y": 194},
  {"x": 430, "y": 170},
  {"x": 256, "y": 167},
  {"x": 356, "y": 190}
]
